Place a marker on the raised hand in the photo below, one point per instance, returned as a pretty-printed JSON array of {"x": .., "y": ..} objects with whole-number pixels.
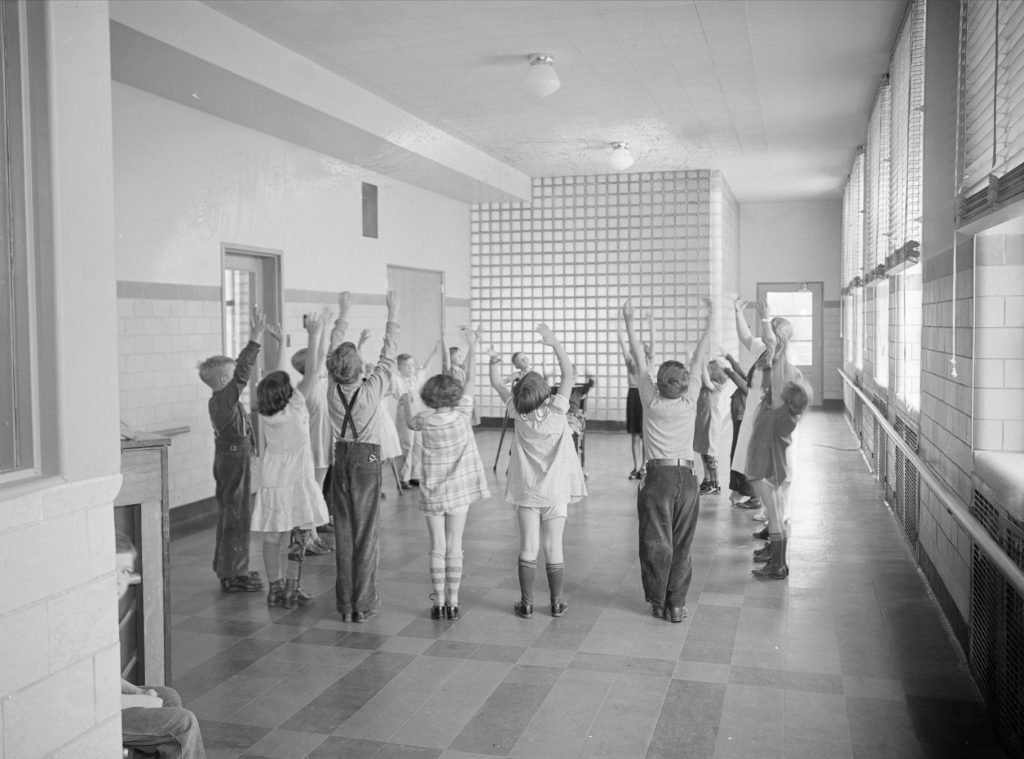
[
  {"x": 314, "y": 321},
  {"x": 364, "y": 336},
  {"x": 627, "y": 311},
  {"x": 257, "y": 321},
  {"x": 740, "y": 303},
  {"x": 762, "y": 307},
  {"x": 546, "y": 335},
  {"x": 469, "y": 335},
  {"x": 392, "y": 301},
  {"x": 274, "y": 330}
]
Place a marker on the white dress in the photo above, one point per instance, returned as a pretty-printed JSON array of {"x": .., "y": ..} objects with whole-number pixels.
[{"x": 289, "y": 495}]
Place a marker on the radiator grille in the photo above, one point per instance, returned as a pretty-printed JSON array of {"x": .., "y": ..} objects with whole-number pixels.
[
  {"x": 881, "y": 451},
  {"x": 997, "y": 626}
]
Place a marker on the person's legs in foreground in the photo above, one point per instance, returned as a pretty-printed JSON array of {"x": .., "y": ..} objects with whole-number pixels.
[
  {"x": 636, "y": 443},
  {"x": 551, "y": 530},
  {"x": 172, "y": 732},
  {"x": 685, "y": 509},
  {"x": 776, "y": 568},
  {"x": 454, "y": 526},
  {"x": 231, "y": 555},
  {"x": 654, "y": 505},
  {"x": 529, "y": 547},
  {"x": 438, "y": 548},
  {"x": 710, "y": 485}
]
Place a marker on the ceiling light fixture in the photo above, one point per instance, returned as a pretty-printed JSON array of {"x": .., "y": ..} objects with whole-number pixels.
[
  {"x": 620, "y": 159},
  {"x": 541, "y": 79}
]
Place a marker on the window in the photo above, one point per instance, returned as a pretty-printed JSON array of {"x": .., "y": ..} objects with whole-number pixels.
[
  {"x": 908, "y": 338},
  {"x": 858, "y": 327},
  {"x": 848, "y": 328},
  {"x": 18, "y": 431},
  {"x": 881, "y": 352}
]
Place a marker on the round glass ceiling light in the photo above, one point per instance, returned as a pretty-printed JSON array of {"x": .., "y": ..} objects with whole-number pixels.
[
  {"x": 541, "y": 78},
  {"x": 620, "y": 159}
]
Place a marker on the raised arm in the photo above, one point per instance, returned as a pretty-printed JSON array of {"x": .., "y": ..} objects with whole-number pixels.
[
  {"x": 314, "y": 351},
  {"x": 341, "y": 323},
  {"x": 565, "y": 367},
  {"x": 363, "y": 337},
  {"x": 636, "y": 350},
  {"x": 446, "y": 356},
  {"x": 390, "y": 345},
  {"x": 705, "y": 377},
  {"x": 700, "y": 353},
  {"x": 742, "y": 328},
  {"x": 496, "y": 379},
  {"x": 471, "y": 337},
  {"x": 274, "y": 330}
]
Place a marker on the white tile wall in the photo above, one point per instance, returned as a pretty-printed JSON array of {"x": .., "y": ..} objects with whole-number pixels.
[
  {"x": 160, "y": 341},
  {"x": 62, "y": 622}
]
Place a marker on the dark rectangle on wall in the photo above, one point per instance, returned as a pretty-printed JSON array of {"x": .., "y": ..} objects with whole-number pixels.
[{"x": 369, "y": 210}]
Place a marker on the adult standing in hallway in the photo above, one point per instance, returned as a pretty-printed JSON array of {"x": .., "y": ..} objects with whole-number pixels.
[{"x": 667, "y": 503}]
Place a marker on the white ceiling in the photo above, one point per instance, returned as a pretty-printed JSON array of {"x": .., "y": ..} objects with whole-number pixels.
[{"x": 775, "y": 93}]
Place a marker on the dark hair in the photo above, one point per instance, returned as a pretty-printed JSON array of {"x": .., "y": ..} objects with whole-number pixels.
[
  {"x": 441, "y": 391},
  {"x": 273, "y": 393},
  {"x": 794, "y": 395},
  {"x": 530, "y": 392},
  {"x": 124, "y": 544},
  {"x": 517, "y": 353},
  {"x": 403, "y": 357},
  {"x": 716, "y": 372},
  {"x": 299, "y": 360}
]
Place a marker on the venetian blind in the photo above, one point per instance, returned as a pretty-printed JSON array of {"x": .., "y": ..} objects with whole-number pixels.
[
  {"x": 876, "y": 182},
  {"x": 906, "y": 83},
  {"x": 853, "y": 221},
  {"x": 1010, "y": 87}
]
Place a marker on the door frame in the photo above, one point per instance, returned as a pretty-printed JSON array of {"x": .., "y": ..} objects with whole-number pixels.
[
  {"x": 817, "y": 290},
  {"x": 444, "y": 311}
]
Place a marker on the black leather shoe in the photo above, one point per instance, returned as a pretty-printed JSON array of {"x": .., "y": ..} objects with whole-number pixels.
[
  {"x": 523, "y": 609},
  {"x": 658, "y": 612},
  {"x": 558, "y": 608},
  {"x": 415, "y": 483},
  {"x": 761, "y": 534},
  {"x": 677, "y": 613},
  {"x": 346, "y": 617},
  {"x": 241, "y": 584},
  {"x": 404, "y": 485},
  {"x": 362, "y": 616},
  {"x": 437, "y": 612},
  {"x": 451, "y": 612}
]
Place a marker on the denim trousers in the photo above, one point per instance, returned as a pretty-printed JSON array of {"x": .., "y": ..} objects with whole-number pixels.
[
  {"x": 355, "y": 504},
  {"x": 172, "y": 732},
  {"x": 667, "y": 506},
  {"x": 233, "y": 476}
]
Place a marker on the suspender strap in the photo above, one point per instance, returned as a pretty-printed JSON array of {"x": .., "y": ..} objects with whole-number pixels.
[{"x": 348, "y": 412}]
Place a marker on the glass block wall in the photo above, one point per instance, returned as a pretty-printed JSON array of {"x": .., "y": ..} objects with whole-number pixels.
[{"x": 581, "y": 247}]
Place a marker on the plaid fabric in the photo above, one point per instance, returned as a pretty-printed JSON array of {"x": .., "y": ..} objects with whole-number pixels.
[{"x": 453, "y": 474}]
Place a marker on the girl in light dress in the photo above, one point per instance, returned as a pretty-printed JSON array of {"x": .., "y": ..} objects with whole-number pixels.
[
  {"x": 453, "y": 477},
  {"x": 289, "y": 502},
  {"x": 544, "y": 473}
]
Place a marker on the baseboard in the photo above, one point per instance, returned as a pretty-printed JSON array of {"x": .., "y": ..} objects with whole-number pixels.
[
  {"x": 192, "y": 517},
  {"x": 604, "y": 425}
]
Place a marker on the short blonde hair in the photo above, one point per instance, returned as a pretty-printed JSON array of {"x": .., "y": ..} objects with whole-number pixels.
[{"x": 211, "y": 367}]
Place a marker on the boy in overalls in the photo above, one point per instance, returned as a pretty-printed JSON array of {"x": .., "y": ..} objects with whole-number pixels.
[
  {"x": 233, "y": 448},
  {"x": 354, "y": 405}
]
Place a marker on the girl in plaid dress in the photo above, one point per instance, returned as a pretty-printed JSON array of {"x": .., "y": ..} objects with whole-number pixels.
[{"x": 453, "y": 477}]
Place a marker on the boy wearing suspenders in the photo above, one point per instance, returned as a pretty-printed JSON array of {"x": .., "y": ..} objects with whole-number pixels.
[{"x": 354, "y": 406}]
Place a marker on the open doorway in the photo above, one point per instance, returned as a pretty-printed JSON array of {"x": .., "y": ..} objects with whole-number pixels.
[
  {"x": 800, "y": 303},
  {"x": 250, "y": 277}
]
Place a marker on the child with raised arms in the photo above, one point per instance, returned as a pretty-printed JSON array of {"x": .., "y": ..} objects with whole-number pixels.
[
  {"x": 453, "y": 477},
  {"x": 544, "y": 473}
]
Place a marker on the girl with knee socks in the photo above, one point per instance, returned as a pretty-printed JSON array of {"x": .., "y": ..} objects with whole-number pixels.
[
  {"x": 453, "y": 477},
  {"x": 289, "y": 502},
  {"x": 544, "y": 473}
]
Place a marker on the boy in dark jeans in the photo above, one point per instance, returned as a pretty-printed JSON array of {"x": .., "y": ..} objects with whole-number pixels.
[{"x": 234, "y": 446}]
